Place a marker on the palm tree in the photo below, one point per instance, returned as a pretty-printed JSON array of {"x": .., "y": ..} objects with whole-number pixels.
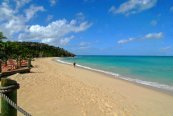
[
  {"x": 1, "y": 43},
  {"x": 2, "y": 36},
  {"x": 2, "y": 55}
]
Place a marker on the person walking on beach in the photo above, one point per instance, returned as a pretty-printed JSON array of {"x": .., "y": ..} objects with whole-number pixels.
[{"x": 74, "y": 64}]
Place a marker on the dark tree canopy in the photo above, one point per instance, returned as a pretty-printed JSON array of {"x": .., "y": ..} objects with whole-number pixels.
[{"x": 31, "y": 49}]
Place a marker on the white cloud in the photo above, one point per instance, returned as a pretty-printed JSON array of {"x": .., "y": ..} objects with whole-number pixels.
[
  {"x": 15, "y": 24},
  {"x": 133, "y": 7},
  {"x": 112, "y": 9},
  {"x": 154, "y": 36},
  {"x": 32, "y": 10},
  {"x": 5, "y": 11},
  {"x": 66, "y": 40},
  {"x": 55, "y": 31},
  {"x": 10, "y": 21},
  {"x": 147, "y": 36},
  {"x": 47, "y": 40},
  {"x": 49, "y": 18},
  {"x": 166, "y": 48},
  {"x": 84, "y": 45},
  {"x": 80, "y": 16},
  {"x": 53, "y": 2},
  {"x": 21, "y": 3},
  {"x": 123, "y": 41},
  {"x": 153, "y": 22}
]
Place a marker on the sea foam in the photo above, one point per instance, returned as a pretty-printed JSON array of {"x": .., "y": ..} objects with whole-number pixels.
[{"x": 115, "y": 75}]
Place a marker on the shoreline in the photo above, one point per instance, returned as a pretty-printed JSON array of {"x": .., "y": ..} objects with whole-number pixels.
[
  {"x": 117, "y": 76},
  {"x": 53, "y": 88}
]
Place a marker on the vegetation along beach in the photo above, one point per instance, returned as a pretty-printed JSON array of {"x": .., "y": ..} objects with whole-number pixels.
[{"x": 86, "y": 58}]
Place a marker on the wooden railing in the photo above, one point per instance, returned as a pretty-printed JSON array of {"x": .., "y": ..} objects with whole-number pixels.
[{"x": 8, "y": 93}]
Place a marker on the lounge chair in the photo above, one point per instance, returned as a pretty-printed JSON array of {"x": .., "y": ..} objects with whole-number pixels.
[
  {"x": 11, "y": 64},
  {"x": 5, "y": 68},
  {"x": 24, "y": 63}
]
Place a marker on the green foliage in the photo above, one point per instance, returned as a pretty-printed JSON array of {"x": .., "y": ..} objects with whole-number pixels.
[
  {"x": 2, "y": 36},
  {"x": 30, "y": 49}
]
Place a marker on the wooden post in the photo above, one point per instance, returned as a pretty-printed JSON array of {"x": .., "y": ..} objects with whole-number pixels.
[
  {"x": 17, "y": 60},
  {"x": 6, "y": 60},
  {"x": 0, "y": 66},
  {"x": 6, "y": 108},
  {"x": 29, "y": 63}
]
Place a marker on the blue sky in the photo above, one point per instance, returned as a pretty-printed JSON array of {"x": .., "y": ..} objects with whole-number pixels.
[{"x": 101, "y": 27}]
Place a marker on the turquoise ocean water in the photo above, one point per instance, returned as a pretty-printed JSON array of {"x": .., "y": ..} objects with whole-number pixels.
[{"x": 155, "y": 71}]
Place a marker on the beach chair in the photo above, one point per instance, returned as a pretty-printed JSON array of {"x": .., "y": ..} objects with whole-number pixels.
[
  {"x": 24, "y": 63},
  {"x": 5, "y": 68},
  {"x": 11, "y": 64}
]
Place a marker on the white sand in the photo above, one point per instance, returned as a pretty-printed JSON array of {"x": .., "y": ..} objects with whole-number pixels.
[{"x": 57, "y": 89}]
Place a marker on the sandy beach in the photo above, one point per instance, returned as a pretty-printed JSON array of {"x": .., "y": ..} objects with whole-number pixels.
[{"x": 55, "y": 89}]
